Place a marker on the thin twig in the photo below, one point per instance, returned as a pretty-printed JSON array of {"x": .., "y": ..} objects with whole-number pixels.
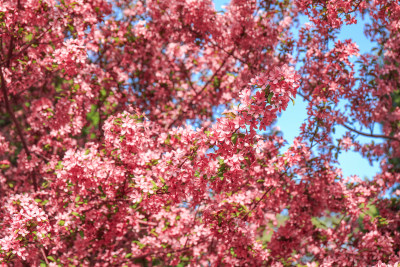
[
  {"x": 194, "y": 221},
  {"x": 44, "y": 256},
  {"x": 202, "y": 90},
  {"x": 167, "y": 252},
  {"x": 147, "y": 223},
  {"x": 42, "y": 157},
  {"x": 27, "y": 45},
  {"x": 258, "y": 202}
]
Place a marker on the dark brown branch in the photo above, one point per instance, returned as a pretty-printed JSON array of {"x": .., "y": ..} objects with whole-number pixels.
[
  {"x": 202, "y": 89},
  {"x": 212, "y": 78},
  {"x": 167, "y": 252},
  {"x": 46, "y": 159},
  {"x": 356, "y": 131},
  {"x": 231, "y": 54},
  {"x": 15, "y": 121},
  {"x": 258, "y": 202},
  {"x": 10, "y": 50},
  {"x": 370, "y": 135},
  {"x": 26, "y": 46}
]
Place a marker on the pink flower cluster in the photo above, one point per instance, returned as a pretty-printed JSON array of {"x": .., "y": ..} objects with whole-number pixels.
[{"x": 142, "y": 133}]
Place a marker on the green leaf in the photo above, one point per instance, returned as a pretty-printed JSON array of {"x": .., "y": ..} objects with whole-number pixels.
[
  {"x": 270, "y": 97},
  {"x": 216, "y": 82},
  {"x": 93, "y": 116},
  {"x": 127, "y": 256},
  {"x": 154, "y": 184},
  {"x": 51, "y": 258},
  {"x": 28, "y": 37},
  {"x": 318, "y": 223},
  {"x": 230, "y": 115},
  {"x": 75, "y": 213},
  {"x": 139, "y": 244},
  {"x": 59, "y": 165},
  {"x": 234, "y": 138}
]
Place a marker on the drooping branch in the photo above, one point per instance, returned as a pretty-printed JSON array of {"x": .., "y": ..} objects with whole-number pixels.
[
  {"x": 356, "y": 131},
  {"x": 370, "y": 135}
]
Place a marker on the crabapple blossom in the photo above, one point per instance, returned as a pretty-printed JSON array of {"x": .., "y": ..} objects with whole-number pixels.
[{"x": 142, "y": 133}]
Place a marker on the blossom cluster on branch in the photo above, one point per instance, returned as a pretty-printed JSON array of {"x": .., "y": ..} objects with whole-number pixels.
[{"x": 114, "y": 152}]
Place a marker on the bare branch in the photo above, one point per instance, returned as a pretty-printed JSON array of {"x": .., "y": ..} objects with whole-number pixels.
[{"x": 370, "y": 135}]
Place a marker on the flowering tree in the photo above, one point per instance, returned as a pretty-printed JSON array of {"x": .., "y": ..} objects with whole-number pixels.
[{"x": 113, "y": 150}]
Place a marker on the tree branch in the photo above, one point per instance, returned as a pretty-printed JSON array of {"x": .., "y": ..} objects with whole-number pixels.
[
  {"x": 15, "y": 121},
  {"x": 258, "y": 202},
  {"x": 370, "y": 135},
  {"x": 44, "y": 256},
  {"x": 202, "y": 89},
  {"x": 25, "y": 47},
  {"x": 356, "y": 131}
]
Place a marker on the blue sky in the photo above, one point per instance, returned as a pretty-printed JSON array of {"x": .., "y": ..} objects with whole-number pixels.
[{"x": 351, "y": 162}]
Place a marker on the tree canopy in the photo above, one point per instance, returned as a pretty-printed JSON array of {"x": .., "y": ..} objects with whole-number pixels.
[{"x": 141, "y": 133}]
